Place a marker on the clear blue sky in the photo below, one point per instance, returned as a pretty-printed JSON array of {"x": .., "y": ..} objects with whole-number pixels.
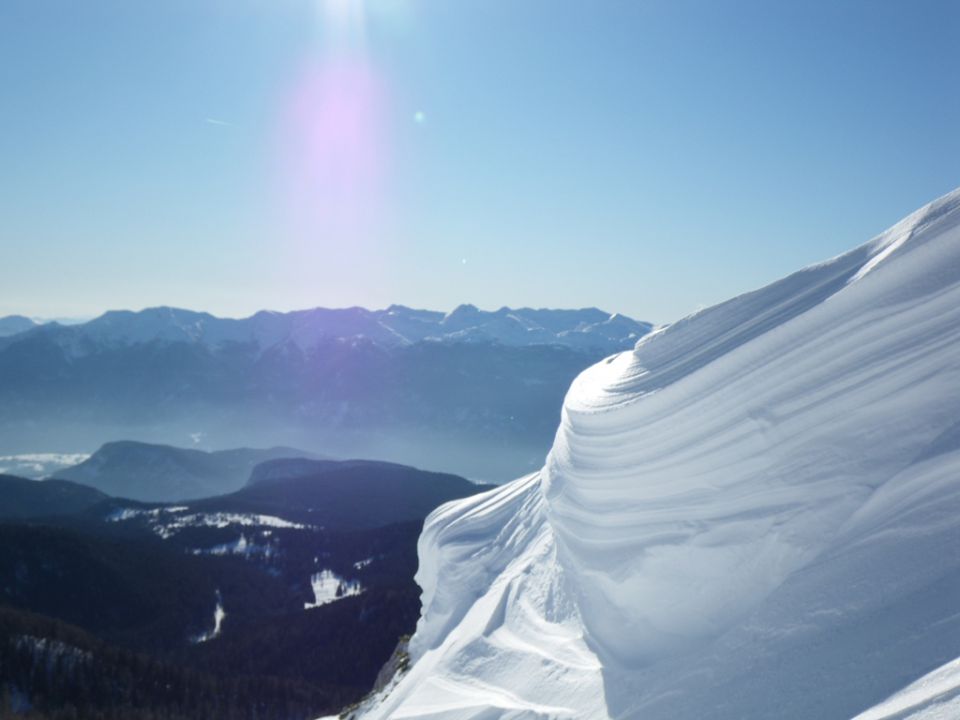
[{"x": 646, "y": 157}]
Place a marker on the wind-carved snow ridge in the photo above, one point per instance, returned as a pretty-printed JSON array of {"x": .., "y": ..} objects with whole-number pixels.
[
  {"x": 754, "y": 514},
  {"x": 933, "y": 697}
]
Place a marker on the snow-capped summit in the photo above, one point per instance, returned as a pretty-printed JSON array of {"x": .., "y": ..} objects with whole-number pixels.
[
  {"x": 480, "y": 396},
  {"x": 753, "y": 514},
  {"x": 159, "y": 323},
  {"x": 396, "y": 326}
]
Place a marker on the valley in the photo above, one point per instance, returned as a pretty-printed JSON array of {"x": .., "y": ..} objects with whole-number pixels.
[{"x": 290, "y": 593}]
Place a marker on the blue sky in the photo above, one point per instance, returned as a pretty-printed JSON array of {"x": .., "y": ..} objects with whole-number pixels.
[{"x": 644, "y": 157}]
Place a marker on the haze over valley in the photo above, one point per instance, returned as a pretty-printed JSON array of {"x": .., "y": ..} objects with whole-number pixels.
[{"x": 472, "y": 392}]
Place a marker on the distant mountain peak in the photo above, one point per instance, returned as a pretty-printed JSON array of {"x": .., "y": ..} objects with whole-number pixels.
[
  {"x": 462, "y": 311},
  {"x": 13, "y": 324}
]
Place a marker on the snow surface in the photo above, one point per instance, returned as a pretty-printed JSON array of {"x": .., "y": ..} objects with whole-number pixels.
[
  {"x": 243, "y": 547},
  {"x": 754, "y": 514},
  {"x": 55, "y": 651},
  {"x": 329, "y": 587},
  {"x": 935, "y": 696},
  {"x": 124, "y": 514},
  {"x": 168, "y": 521},
  {"x": 218, "y": 617}
]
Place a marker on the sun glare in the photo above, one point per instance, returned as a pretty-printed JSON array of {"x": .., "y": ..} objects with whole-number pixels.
[
  {"x": 342, "y": 23},
  {"x": 334, "y": 145}
]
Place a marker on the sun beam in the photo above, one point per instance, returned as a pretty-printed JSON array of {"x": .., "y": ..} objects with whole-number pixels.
[
  {"x": 333, "y": 141},
  {"x": 343, "y": 24}
]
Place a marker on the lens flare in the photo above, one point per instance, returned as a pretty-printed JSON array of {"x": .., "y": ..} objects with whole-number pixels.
[
  {"x": 335, "y": 143},
  {"x": 333, "y": 140}
]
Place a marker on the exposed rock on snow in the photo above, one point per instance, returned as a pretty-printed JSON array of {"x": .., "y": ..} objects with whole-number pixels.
[{"x": 754, "y": 514}]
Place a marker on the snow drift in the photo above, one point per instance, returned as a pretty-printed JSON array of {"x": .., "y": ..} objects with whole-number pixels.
[{"x": 754, "y": 514}]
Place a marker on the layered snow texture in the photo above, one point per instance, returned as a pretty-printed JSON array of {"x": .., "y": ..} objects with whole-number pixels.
[
  {"x": 935, "y": 696},
  {"x": 754, "y": 514}
]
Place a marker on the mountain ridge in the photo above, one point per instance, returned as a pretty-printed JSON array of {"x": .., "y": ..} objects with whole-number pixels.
[
  {"x": 14, "y": 324},
  {"x": 25, "y": 499},
  {"x": 481, "y": 401},
  {"x": 396, "y": 325},
  {"x": 151, "y": 472}
]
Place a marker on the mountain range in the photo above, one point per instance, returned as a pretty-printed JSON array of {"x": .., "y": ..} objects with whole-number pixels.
[
  {"x": 468, "y": 391},
  {"x": 587, "y": 329}
]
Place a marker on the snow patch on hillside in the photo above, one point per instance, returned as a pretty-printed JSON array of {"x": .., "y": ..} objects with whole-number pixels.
[
  {"x": 935, "y": 696},
  {"x": 168, "y": 521},
  {"x": 218, "y": 617},
  {"x": 329, "y": 587},
  {"x": 243, "y": 547}
]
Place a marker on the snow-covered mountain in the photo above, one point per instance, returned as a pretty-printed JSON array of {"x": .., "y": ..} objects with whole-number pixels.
[
  {"x": 754, "y": 514},
  {"x": 472, "y": 392},
  {"x": 397, "y": 325}
]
